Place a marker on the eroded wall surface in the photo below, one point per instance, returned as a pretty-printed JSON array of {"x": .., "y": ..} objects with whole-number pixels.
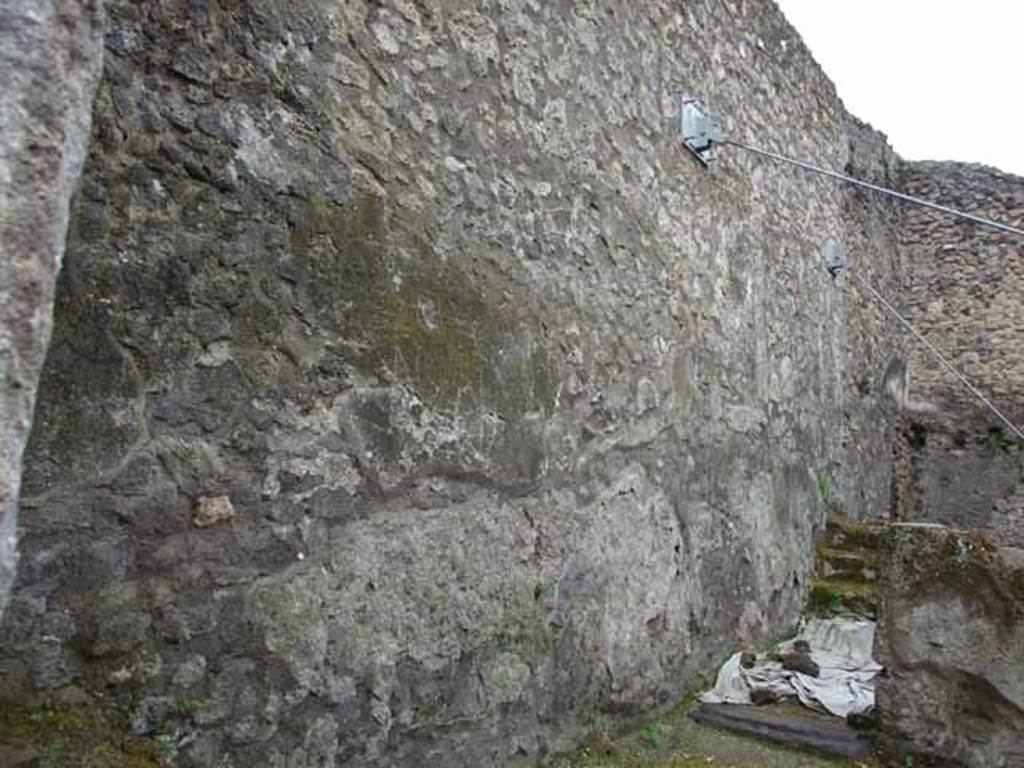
[
  {"x": 964, "y": 293},
  {"x": 51, "y": 53},
  {"x": 415, "y": 399},
  {"x": 951, "y": 636}
]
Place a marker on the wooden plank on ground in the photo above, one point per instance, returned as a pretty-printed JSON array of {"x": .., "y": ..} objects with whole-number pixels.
[{"x": 790, "y": 726}]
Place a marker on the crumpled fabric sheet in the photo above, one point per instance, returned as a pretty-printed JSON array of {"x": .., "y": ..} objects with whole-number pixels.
[{"x": 841, "y": 647}]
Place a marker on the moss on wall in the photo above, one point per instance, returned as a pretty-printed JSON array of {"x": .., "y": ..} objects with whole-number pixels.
[
  {"x": 87, "y": 736},
  {"x": 416, "y": 314}
]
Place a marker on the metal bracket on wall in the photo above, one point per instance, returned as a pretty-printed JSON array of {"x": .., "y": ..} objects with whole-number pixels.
[
  {"x": 700, "y": 132},
  {"x": 835, "y": 259}
]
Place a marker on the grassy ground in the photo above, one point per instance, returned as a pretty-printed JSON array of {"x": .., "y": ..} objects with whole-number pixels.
[
  {"x": 90, "y": 737},
  {"x": 675, "y": 741},
  {"x": 78, "y": 737}
]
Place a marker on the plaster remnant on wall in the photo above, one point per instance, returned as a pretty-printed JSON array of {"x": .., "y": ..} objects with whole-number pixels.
[{"x": 52, "y": 53}]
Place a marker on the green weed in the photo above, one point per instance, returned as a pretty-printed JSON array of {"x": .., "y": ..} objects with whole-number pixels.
[
  {"x": 184, "y": 706},
  {"x": 654, "y": 734},
  {"x": 825, "y": 486}
]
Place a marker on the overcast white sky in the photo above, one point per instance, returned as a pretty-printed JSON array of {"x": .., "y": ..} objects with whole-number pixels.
[{"x": 943, "y": 79}]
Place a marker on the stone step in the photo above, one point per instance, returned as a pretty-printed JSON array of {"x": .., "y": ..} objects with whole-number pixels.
[
  {"x": 793, "y": 727},
  {"x": 847, "y": 534},
  {"x": 848, "y": 564},
  {"x": 836, "y": 596}
]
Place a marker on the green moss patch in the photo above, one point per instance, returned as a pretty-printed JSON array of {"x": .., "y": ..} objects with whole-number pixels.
[
  {"x": 848, "y": 565},
  {"x": 846, "y": 534},
  {"x": 65, "y": 736},
  {"x": 933, "y": 560},
  {"x": 378, "y": 280},
  {"x": 833, "y": 596}
]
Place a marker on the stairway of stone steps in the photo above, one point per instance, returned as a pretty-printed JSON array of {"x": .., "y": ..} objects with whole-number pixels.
[
  {"x": 846, "y": 572},
  {"x": 845, "y": 584}
]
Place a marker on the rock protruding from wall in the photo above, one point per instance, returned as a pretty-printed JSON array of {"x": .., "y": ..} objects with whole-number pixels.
[
  {"x": 50, "y": 61},
  {"x": 951, "y": 637},
  {"x": 964, "y": 290},
  {"x": 415, "y": 398}
]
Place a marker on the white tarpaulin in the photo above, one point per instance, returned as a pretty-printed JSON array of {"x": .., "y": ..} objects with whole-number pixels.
[{"x": 841, "y": 647}]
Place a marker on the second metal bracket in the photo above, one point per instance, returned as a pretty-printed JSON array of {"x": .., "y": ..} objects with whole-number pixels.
[
  {"x": 700, "y": 132},
  {"x": 835, "y": 259}
]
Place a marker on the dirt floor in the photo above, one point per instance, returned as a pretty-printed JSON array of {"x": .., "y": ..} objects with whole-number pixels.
[
  {"x": 675, "y": 741},
  {"x": 74, "y": 737}
]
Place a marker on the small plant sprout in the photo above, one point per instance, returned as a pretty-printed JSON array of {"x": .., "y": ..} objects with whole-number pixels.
[
  {"x": 168, "y": 748},
  {"x": 835, "y": 600},
  {"x": 824, "y": 486},
  {"x": 654, "y": 734}
]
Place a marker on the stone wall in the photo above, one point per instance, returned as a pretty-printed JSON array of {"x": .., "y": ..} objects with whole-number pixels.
[
  {"x": 951, "y": 636},
  {"x": 964, "y": 293},
  {"x": 414, "y": 397},
  {"x": 871, "y": 242},
  {"x": 51, "y": 53},
  {"x": 952, "y": 608}
]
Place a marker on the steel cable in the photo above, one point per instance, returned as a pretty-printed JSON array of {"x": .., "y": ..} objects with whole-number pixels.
[
  {"x": 939, "y": 356},
  {"x": 872, "y": 290},
  {"x": 875, "y": 188}
]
